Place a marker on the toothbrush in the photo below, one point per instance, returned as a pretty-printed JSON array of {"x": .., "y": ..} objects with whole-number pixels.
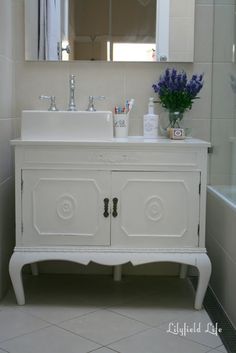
[{"x": 131, "y": 103}]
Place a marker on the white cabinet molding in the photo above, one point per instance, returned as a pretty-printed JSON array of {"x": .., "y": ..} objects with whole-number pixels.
[{"x": 130, "y": 200}]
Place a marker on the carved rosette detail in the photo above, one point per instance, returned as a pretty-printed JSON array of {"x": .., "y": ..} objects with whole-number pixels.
[
  {"x": 66, "y": 207},
  {"x": 154, "y": 209}
]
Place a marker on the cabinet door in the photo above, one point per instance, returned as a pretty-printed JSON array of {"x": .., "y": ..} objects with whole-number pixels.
[
  {"x": 65, "y": 207},
  {"x": 159, "y": 209}
]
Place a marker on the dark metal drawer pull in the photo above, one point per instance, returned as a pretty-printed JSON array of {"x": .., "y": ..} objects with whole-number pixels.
[
  {"x": 106, "y": 206},
  {"x": 115, "y": 202}
]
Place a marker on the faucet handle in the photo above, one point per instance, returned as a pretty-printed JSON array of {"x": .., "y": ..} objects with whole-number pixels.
[
  {"x": 52, "y": 106},
  {"x": 91, "y": 107}
]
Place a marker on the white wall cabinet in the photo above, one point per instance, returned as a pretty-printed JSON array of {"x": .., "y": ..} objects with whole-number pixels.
[{"x": 111, "y": 202}]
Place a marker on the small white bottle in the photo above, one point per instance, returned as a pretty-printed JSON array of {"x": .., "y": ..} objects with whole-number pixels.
[{"x": 150, "y": 121}]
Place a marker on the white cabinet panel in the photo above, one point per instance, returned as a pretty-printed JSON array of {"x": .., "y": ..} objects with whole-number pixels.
[
  {"x": 65, "y": 207},
  {"x": 156, "y": 209}
]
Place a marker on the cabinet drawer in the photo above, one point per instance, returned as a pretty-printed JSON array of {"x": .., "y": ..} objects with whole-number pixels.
[{"x": 165, "y": 158}]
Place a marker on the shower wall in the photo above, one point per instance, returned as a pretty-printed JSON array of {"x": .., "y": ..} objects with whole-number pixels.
[
  {"x": 223, "y": 129},
  {"x": 221, "y": 201}
]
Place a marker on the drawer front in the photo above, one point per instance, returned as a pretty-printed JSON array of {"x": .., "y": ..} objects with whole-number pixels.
[{"x": 165, "y": 158}]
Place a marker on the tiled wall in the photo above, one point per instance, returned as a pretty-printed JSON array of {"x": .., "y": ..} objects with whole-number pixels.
[
  {"x": 220, "y": 228},
  {"x": 221, "y": 247},
  {"x": 223, "y": 96},
  {"x": 7, "y": 131},
  {"x": 116, "y": 81}
]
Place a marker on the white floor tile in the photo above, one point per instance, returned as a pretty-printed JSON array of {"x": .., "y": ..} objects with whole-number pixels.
[
  {"x": 49, "y": 340},
  {"x": 214, "y": 351},
  {"x": 14, "y": 323},
  {"x": 130, "y": 316},
  {"x": 58, "y": 312},
  {"x": 203, "y": 324},
  {"x": 151, "y": 312},
  {"x": 101, "y": 350},
  {"x": 222, "y": 349},
  {"x": 103, "y": 326},
  {"x": 170, "y": 302},
  {"x": 155, "y": 341}
]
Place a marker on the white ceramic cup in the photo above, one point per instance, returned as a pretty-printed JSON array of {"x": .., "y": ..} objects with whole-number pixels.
[{"x": 121, "y": 125}]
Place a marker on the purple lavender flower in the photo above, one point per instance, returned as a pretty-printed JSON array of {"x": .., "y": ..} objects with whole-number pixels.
[{"x": 175, "y": 92}]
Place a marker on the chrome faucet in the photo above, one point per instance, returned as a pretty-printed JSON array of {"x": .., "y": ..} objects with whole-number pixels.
[
  {"x": 52, "y": 107},
  {"x": 91, "y": 107},
  {"x": 72, "y": 106}
]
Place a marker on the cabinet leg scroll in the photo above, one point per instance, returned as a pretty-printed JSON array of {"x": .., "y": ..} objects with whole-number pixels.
[
  {"x": 117, "y": 273},
  {"x": 15, "y": 270},
  {"x": 34, "y": 269},
  {"x": 183, "y": 271},
  {"x": 204, "y": 268}
]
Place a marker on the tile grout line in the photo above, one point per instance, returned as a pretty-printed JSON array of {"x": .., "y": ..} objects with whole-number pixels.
[
  {"x": 24, "y": 334},
  {"x": 76, "y": 334},
  {"x": 89, "y": 339},
  {"x": 59, "y": 322},
  {"x": 96, "y": 350}
]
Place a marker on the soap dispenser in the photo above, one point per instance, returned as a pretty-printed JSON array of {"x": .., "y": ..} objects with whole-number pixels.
[{"x": 150, "y": 121}]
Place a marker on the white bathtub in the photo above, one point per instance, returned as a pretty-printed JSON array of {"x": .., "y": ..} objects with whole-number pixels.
[
  {"x": 221, "y": 245},
  {"x": 225, "y": 193}
]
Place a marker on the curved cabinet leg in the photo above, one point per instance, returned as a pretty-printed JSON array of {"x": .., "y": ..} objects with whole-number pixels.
[
  {"x": 15, "y": 270},
  {"x": 117, "y": 273},
  {"x": 34, "y": 269},
  {"x": 183, "y": 271},
  {"x": 204, "y": 268}
]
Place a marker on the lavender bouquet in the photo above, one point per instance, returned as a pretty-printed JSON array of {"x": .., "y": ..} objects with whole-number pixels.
[{"x": 176, "y": 93}]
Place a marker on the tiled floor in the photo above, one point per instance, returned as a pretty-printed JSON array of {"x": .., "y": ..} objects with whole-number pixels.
[{"x": 79, "y": 314}]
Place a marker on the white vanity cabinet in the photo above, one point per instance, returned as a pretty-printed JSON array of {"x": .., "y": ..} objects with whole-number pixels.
[{"x": 128, "y": 200}]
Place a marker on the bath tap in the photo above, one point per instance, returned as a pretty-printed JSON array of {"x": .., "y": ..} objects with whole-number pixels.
[
  {"x": 91, "y": 107},
  {"x": 72, "y": 105},
  {"x": 52, "y": 107}
]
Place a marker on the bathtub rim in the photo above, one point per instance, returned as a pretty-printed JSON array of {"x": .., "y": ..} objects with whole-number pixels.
[{"x": 213, "y": 191}]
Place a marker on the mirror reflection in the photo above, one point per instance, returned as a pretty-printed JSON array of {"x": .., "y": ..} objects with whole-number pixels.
[{"x": 109, "y": 30}]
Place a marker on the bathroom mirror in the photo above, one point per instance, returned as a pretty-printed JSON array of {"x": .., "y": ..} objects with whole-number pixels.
[{"x": 109, "y": 30}]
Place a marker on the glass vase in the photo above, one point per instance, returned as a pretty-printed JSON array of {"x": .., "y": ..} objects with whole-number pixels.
[{"x": 175, "y": 119}]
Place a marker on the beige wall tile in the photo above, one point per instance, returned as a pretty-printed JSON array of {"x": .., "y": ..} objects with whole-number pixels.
[
  {"x": 223, "y": 97},
  {"x": 203, "y": 33},
  {"x": 6, "y": 87},
  {"x": 6, "y": 28},
  {"x": 224, "y": 33}
]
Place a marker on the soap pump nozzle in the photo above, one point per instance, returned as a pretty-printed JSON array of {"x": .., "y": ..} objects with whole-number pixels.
[{"x": 151, "y": 106}]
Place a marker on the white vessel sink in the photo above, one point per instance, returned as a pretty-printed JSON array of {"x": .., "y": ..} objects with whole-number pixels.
[{"x": 65, "y": 125}]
